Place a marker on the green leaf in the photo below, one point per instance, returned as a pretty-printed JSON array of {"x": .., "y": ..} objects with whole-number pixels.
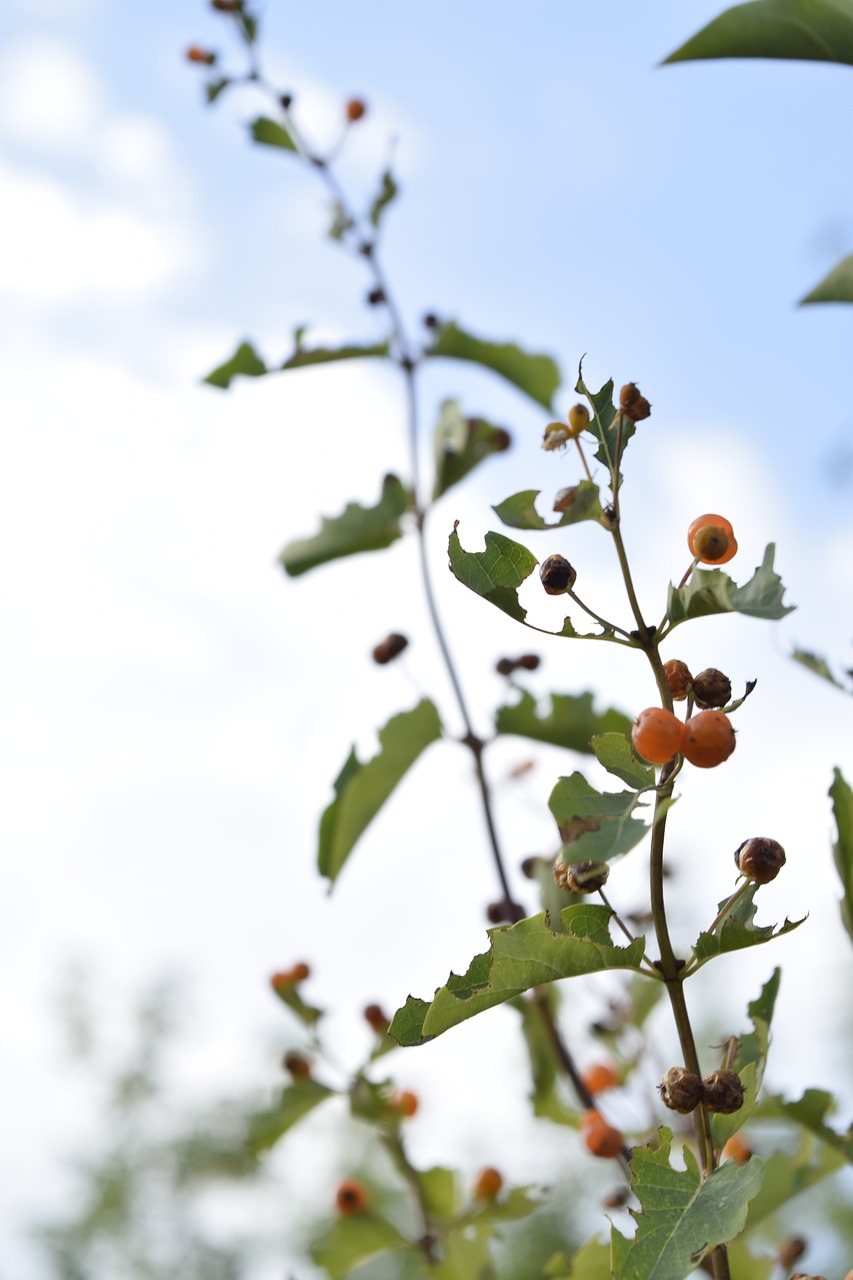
[
  {"x": 682, "y": 1218},
  {"x": 615, "y": 752},
  {"x": 520, "y": 956},
  {"x": 461, "y": 444},
  {"x": 245, "y": 363},
  {"x": 355, "y": 530},
  {"x": 440, "y": 1191},
  {"x": 604, "y": 423},
  {"x": 362, "y": 789},
  {"x": 297, "y": 1100},
  {"x": 837, "y": 286},
  {"x": 811, "y": 1111},
  {"x": 306, "y": 1013},
  {"x": 270, "y": 133},
  {"x": 842, "y": 850},
  {"x": 804, "y": 30},
  {"x": 248, "y": 26},
  {"x": 591, "y": 1262},
  {"x": 213, "y": 88},
  {"x": 594, "y": 824},
  {"x": 786, "y": 1176},
  {"x": 496, "y": 573},
  {"x": 388, "y": 189},
  {"x": 711, "y": 591},
  {"x": 818, "y": 665},
  {"x": 304, "y": 356},
  {"x": 353, "y": 1239},
  {"x": 570, "y": 721},
  {"x": 750, "y": 1062},
  {"x": 517, "y": 1203},
  {"x": 536, "y": 375},
  {"x": 465, "y": 1256},
  {"x": 519, "y": 511},
  {"x": 739, "y": 930}
]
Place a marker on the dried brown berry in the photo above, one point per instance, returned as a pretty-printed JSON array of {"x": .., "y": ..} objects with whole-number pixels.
[
  {"x": 204, "y": 56},
  {"x": 791, "y": 1251},
  {"x": 375, "y": 1018},
  {"x": 226, "y": 6},
  {"x": 557, "y": 575},
  {"x": 390, "y": 648},
  {"x": 529, "y": 661},
  {"x": 529, "y": 865},
  {"x": 286, "y": 101},
  {"x": 351, "y": 1197},
  {"x": 711, "y": 688},
  {"x": 565, "y": 498},
  {"x": 616, "y": 1199},
  {"x": 498, "y": 912},
  {"x": 505, "y": 666},
  {"x": 376, "y": 297},
  {"x": 632, "y": 404},
  {"x": 681, "y": 1090},
  {"x": 722, "y": 1091},
  {"x": 501, "y": 440},
  {"x": 760, "y": 859},
  {"x": 678, "y": 678},
  {"x": 488, "y": 1184},
  {"x": 581, "y": 877},
  {"x": 431, "y": 321},
  {"x": 355, "y": 110},
  {"x": 298, "y": 1065}
]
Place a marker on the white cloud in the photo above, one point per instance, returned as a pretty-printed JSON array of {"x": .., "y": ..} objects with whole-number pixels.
[{"x": 49, "y": 97}]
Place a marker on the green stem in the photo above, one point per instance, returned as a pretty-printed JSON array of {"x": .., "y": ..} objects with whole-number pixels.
[{"x": 397, "y": 1151}]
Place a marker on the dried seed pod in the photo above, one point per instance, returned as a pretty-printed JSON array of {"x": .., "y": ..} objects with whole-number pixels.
[
  {"x": 581, "y": 877},
  {"x": 791, "y": 1251},
  {"x": 711, "y": 688},
  {"x": 633, "y": 405},
  {"x": 680, "y": 1090},
  {"x": 389, "y": 649},
  {"x": 722, "y": 1091},
  {"x": 678, "y": 678},
  {"x": 557, "y": 575},
  {"x": 376, "y": 297},
  {"x": 760, "y": 859},
  {"x": 498, "y": 912},
  {"x": 565, "y": 498},
  {"x": 375, "y": 1018}
]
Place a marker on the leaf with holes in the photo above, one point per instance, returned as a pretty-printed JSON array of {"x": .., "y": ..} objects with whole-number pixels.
[
  {"x": 519, "y": 511},
  {"x": 356, "y": 529},
  {"x": 571, "y": 720},
  {"x": 710, "y": 591}
]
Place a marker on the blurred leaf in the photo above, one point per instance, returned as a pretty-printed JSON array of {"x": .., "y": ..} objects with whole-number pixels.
[
  {"x": 521, "y": 956},
  {"x": 461, "y": 444},
  {"x": 604, "y": 423},
  {"x": 289, "y": 994},
  {"x": 591, "y": 1262},
  {"x": 837, "y": 286},
  {"x": 362, "y": 789},
  {"x": 341, "y": 222},
  {"x": 517, "y": 1203},
  {"x": 495, "y": 573},
  {"x": 519, "y": 511},
  {"x": 811, "y": 1111},
  {"x": 594, "y": 824},
  {"x": 711, "y": 591},
  {"x": 842, "y": 850},
  {"x": 615, "y": 752},
  {"x": 786, "y": 1176},
  {"x": 304, "y": 356},
  {"x": 213, "y": 88},
  {"x": 682, "y": 1218},
  {"x": 750, "y": 1061},
  {"x": 353, "y": 1239},
  {"x": 269, "y": 133},
  {"x": 387, "y": 191},
  {"x": 804, "y": 30},
  {"x": 739, "y": 930},
  {"x": 355, "y": 530},
  {"x": 248, "y": 25},
  {"x": 297, "y": 1100},
  {"x": 536, "y": 375},
  {"x": 817, "y": 664},
  {"x": 466, "y": 1257},
  {"x": 245, "y": 362},
  {"x": 571, "y": 721},
  {"x": 440, "y": 1190},
  {"x": 544, "y": 1070}
]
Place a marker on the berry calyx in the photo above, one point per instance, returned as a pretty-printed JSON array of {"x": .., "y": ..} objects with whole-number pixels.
[
  {"x": 600, "y": 1076},
  {"x": 587, "y": 876},
  {"x": 680, "y": 1090},
  {"x": 355, "y": 109},
  {"x": 738, "y": 1150},
  {"x": 657, "y": 735},
  {"x": 600, "y": 1138},
  {"x": 351, "y": 1197},
  {"x": 711, "y": 688},
  {"x": 678, "y": 678},
  {"x": 488, "y": 1184},
  {"x": 405, "y": 1102},
  {"x": 711, "y": 539},
  {"x": 760, "y": 859},
  {"x": 557, "y": 575},
  {"x": 578, "y": 420},
  {"x": 722, "y": 1091},
  {"x": 709, "y": 739}
]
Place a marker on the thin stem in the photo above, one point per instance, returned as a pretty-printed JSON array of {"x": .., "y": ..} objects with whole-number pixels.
[
  {"x": 583, "y": 460},
  {"x": 627, "y": 932},
  {"x": 608, "y": 626},
  {"x": 397, "y": 1151},
  {"x": 614, "y": 486}
]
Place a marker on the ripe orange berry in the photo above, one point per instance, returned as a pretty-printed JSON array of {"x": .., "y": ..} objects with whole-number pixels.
[
  {"x": 712, "y": 539},
  {"x": 738, "y": 1150},
  {"x": 600, "y": 1076},
  {"x": 404, "y": 1102},
  {"x": 657, "y": 735},
  {"x": 709, "y": 739},
  {"x": 488, "y": 1184},
  {"x": 196, "y": 54},
  {"x": 355, "y": 110},
  {"x": 601, "y": 1138},
  {"x": 351, "y": 1197}
]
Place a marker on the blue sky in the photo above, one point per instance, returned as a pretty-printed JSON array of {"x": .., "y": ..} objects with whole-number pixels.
[{"x": 166, "y": 753}]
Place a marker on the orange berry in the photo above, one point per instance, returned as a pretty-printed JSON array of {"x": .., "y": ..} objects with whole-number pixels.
[
  {"x": 195, "y": 53},
  {"x": 289, "y": 977},
  {"x": 351, "y": 1197},
  {"x": 488, "y": 1184},
  {"x": 300, "y": 971},
  {"x": 404, "y": 1102},
  {"x": 712, "y": 539},
  {"x": 355, "y": 109},
  {"x": 601, "y": 1138},
  {"x": 578, "y": 420},
  {"x": 657, "y": 735},
  {"x": 600, "y": 1076},
  {"x": 709, "y": 739},
  {"x": 736, "y": 1149}
]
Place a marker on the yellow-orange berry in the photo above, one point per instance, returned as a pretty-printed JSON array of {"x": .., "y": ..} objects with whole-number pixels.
[
  {"x": 351, "y": 1197},
  {"x": 578, "y": 420},
  {"x": 600, "y": 1076},
  {"x": 738, "y": 1150},
  {"x": 711, "y": 539},
  {"x": 355, "y": 109},
  {"x": 488, "y": 1184},
  {"x": 709, "y": 739},
  {"x": 600, "y": 1138},
  {"x": 657, "y": 735},
  {"x": 404, "y": 1102}
]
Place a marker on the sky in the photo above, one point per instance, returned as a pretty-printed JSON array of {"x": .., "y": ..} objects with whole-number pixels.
[{"x": 175, "y": 710}]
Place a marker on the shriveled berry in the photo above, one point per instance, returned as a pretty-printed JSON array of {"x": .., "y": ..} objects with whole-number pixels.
[
  {"x": 351, "y": 1197},
  {"x": 681, "y": 1090},
  {"x": 711, "y": 538},
  {"x": 711, "y": 688},
  {"x": 565, "y": 498},
  {"x": 556, "y": 436},
  {"x": 709, "y": 739},
  {"x": 389, "y": 648},
  {"x": 297, "y": 1065},
  {"x": 739, "y": 1151},
  {"x": 355, "y": 109},
  {"x": 678, "y": 678},
  {"x": 587, "y": 876},
  {"x": 376, "y": 297},
  {"x": 600, "y": 1138},
  {"x": 529, "y": 661},
  {"x": 760, "y": 859},
  {"x": 791, "y": 1251},
  {"x": 633, "y": 405},
  {"x": 431, "y": 321},
  {"x": 722, "y": 1091},
  {"x": 505, "y": 666},
  {"x": 404, "y": 1101},
  {"x": 488, "y": 1184},
  {"x": 600, "y": 1076},
  {"x": 557, "y": 575},
  {"x": 226, "y": 6},
  {"x": 375, "y": 1018},
  {"x": 286, "y": 101},
  {"x": 578, "y": 420},
  {"x": 657, "y": 735},
  {"x": 195, "y": 53}
]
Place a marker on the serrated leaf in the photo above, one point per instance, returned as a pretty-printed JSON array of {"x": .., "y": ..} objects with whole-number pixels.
[
  {"x": 213, "y": 88},
  {"x": 842, "y": 850},
  {"x": 297, "y": 1100},
  {"x": 604, "y": 423},
  {"x": 496, "y": 573},
  {"x": 536, "y": 375},
  {"x": 304, "y": 356},
  {"x": 520, "y": 956},
  {"x": 804, "y": 30},
  {"x": 269, "y": 133},
  {"x": 461, "y": 444},
  {"x": 355, "y": 530},
  {"x": 817, "y": 664},
  {"x": 739, "y": 930},
  {"x": 837, "y": 286},
  {"x": 388, "y": 189},
  {"x": 353, "y": 1239},
  {"x": 710, "y": 591},
  {"x": 362, "y": 789},
  {"x": 245, "y": 363},
  {"x": 519, "y": 511},
  {"x": 682, "y": 1218},
  {"x": 594, "y": 824},
  {"x": 811, "y": 1111},
  {"x": 615, "y": 752},
  {"x": 570, "y": 722}
]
